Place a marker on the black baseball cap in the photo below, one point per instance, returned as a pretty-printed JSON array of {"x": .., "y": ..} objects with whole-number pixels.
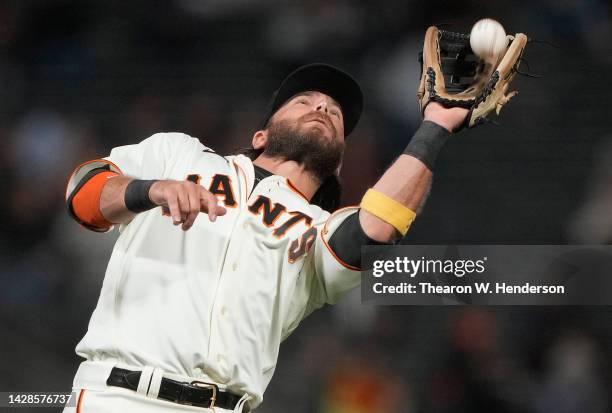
[{"x": 324, "y": 78}]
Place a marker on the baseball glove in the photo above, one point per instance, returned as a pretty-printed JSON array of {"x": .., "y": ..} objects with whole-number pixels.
[{"x": 454, "y": 76}]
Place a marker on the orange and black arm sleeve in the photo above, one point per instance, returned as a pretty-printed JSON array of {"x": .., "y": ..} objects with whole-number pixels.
[{"x": 83, "y": 195}]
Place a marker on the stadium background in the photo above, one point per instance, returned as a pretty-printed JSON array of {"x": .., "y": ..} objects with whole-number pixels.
[{"x": 79, "y": 77}]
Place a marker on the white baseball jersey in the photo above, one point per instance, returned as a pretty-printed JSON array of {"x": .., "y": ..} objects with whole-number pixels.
[{"x": 217, "y": 300}]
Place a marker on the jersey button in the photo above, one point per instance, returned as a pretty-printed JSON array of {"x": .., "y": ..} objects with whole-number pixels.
[
  {"x": 221, "y": 360},
  {"x": 224, "y": 311}
]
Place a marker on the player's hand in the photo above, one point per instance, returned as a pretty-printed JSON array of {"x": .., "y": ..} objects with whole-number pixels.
[
  {"x": 448, "y": 118},
  {"x": 185, "y": 200}
]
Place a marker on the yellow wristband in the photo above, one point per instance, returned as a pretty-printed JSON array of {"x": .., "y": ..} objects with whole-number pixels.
[{"x": 388, "y": 209}]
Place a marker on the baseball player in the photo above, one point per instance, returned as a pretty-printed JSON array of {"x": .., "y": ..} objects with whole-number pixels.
[{"x": 221, "y": 257}]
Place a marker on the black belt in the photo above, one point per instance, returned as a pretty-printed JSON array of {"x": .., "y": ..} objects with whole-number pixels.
[{"x": 196, "y": 393}]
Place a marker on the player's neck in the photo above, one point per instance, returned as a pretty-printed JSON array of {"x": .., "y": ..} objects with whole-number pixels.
[{"x": 291, "y": 170}]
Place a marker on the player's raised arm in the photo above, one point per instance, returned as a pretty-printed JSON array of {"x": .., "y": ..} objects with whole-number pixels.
[
  {"x": 457, "y": 89},
  {"x": 389, "y": 207}
]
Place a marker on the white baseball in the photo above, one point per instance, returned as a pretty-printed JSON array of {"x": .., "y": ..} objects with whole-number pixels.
[{"x": 488, "y": 39}]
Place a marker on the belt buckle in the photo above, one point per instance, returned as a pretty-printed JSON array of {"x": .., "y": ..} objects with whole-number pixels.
[{"x": 203, "y": 385}]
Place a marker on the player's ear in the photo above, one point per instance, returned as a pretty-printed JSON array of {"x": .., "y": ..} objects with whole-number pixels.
[{"x": 260, "y": 139}]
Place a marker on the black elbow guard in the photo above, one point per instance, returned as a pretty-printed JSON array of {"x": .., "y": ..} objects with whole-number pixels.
[{"x": 347, "y": 240}]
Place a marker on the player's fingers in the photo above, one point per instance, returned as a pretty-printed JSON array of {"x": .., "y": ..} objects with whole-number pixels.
[
  {"x": 209, "y": 205},
  {"x": 220, "y": 210},
  {"x": 217, "y": 209},
  {"x": 205, "y": 197},
  {"x": 203, "y": 202},
  {"x": 194, "y": 207},
  {"x": 183, "y": 200},
  {"x": 212, "y": 208},
  {"x": 175, "y": 212}
]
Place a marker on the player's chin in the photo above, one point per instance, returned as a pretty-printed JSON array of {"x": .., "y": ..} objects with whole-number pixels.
[{"x": 321, "y": 132}]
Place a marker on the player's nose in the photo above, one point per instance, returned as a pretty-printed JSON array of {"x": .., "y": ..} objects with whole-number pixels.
[{"x": 322, "y": 106}]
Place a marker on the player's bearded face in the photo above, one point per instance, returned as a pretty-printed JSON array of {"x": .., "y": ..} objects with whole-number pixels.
[{"x": 306, "y": 144}]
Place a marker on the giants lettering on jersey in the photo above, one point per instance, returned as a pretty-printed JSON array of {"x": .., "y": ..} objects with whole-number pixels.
[
  {"x": 221, "y": 185},
  {"x": 263, "y": 205}
]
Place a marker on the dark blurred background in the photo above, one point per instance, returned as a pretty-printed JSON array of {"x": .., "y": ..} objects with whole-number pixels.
[{"x": 80, "y": 77}]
